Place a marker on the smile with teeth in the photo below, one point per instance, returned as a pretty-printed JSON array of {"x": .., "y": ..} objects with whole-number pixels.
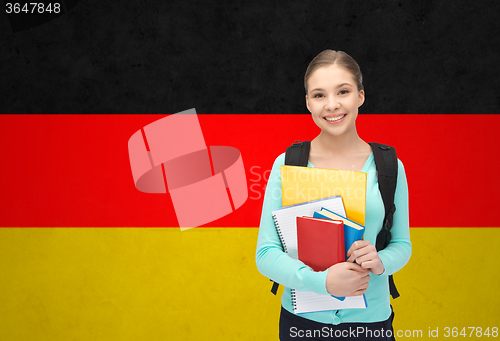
[{"x": 336, "y": 118}]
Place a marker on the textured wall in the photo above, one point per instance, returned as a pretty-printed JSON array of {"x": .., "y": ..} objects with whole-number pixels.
[
  {"x": 126, "y": 57},
  {"x": 250, "y": 57}
]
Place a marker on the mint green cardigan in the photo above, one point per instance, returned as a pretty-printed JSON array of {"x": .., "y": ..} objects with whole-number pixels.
[{"x": 275, "y": 264}]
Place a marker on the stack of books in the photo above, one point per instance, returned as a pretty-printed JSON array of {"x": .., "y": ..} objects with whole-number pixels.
[{"x": 322, "y": 215}]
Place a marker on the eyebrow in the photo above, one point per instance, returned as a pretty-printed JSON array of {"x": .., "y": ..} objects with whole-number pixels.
[{"x": 338, "y": 86}]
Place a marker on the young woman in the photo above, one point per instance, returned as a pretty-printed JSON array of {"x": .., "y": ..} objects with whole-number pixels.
[{"x": 334, "y": 92}]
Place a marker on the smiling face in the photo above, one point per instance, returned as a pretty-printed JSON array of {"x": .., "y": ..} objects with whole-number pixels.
[{"x": 333, "y": 100}]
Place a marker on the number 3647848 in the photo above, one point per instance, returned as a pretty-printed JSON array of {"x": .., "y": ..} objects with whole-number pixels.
[{"x": 32, "y": 7}]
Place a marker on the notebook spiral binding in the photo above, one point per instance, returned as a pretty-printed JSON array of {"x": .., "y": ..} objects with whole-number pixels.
[
  {"x": 279, "y": 233},
  {"x": 294, "y": 300}
]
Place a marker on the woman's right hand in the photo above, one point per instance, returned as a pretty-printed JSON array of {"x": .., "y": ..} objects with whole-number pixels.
[{"x": 347, "y": 279}]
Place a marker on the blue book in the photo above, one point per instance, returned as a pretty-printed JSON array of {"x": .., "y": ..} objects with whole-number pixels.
[
  {"x": 352, "y": 231},
  {"x": 285, "y": 219}
]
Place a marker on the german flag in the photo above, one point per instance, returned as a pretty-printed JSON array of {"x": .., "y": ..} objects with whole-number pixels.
[{"x": 84, "y": 255}]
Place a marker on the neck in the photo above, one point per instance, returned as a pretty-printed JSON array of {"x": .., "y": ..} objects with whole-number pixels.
[{"x": 339, "y": 145}]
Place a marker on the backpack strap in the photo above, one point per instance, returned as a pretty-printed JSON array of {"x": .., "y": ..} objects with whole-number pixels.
[
  {"x": 296, "y": 155},
  {"x": 386, "y": 162}
]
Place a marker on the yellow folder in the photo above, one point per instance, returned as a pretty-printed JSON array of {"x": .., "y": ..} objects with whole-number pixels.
[{"x": 303, "y": 184}]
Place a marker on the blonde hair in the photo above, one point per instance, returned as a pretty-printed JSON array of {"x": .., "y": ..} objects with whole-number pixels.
[{"x": 340, "y": 58}]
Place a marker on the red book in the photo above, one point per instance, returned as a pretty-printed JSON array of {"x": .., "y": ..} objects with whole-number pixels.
[{"x": 320, "y": 242}]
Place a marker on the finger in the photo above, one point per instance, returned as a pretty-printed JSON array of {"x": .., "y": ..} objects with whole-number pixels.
[
  {"x": 365, "y": 258},
  {"x": 364, "y": 286},
  {"x": 356, "y": 255},
  {"x": 363, "y": 273},
  {"x": 359, "y": 292},
  {"x": 368, "y": 264},
  {"x": 353, "y": 247},
  {"x": 357, "y": 245},
  {"x": 366, "y": 277},
  {"x": 355, "y": 267},
  {"x": 352, "y": 266}
]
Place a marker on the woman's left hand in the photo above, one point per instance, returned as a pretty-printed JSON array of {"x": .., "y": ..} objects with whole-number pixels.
[{"x": 365, "y": 254}]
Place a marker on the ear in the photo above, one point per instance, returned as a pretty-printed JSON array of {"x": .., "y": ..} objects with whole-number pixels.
[
  {"x": 361, "y": 98},
  {"x": 307, "y": 103}
]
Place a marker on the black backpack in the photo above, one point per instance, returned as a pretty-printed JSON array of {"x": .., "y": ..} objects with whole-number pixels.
[{"x": 387, "y": 172}]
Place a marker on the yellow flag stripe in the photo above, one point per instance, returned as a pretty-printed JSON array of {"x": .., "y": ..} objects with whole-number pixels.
[{"x": 158, "y": 284}]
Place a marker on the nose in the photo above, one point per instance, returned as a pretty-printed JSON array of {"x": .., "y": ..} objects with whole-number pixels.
[{"x": 332, "y": 104}]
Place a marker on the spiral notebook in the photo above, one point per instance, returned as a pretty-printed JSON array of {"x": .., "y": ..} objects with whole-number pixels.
[
  {"x": 309, "y": 302},
  {"x": 285, "y": 219},
  {"x": 306, "y": 302}
]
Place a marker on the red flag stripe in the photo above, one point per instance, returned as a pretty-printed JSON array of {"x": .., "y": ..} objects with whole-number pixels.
[{"x": 73, "y": 170}]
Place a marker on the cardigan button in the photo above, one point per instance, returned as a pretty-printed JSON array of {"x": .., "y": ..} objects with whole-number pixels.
[{"x": 336, "y": 320}]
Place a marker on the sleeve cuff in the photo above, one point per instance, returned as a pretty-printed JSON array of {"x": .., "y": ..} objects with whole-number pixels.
[
  {"x": 385, "y": 261},
  {"x": 317, "y": 281}
]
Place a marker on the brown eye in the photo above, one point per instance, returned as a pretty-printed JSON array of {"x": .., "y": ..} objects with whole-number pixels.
[
  {"x": 343, "y": 92},
  {"x": 318, "y": 95}
]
